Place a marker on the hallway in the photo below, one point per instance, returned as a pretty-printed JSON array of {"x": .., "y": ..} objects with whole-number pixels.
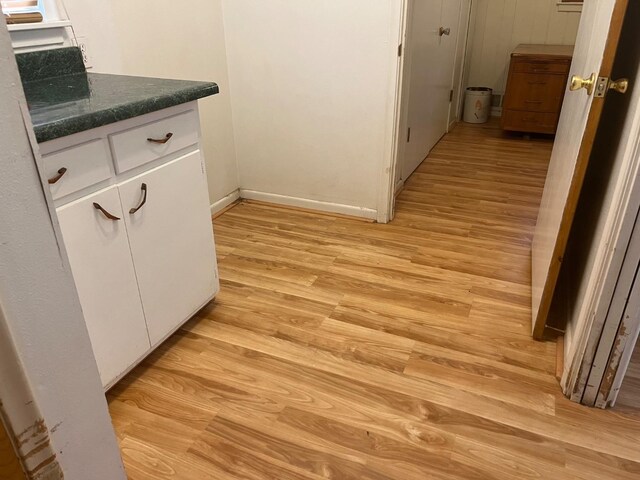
[{"x": 344, "y": 349}]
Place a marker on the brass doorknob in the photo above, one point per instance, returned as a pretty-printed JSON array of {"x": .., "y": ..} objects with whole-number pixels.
[
  {"x": 620, "y": 86},
  {"x": 578, "y": 83}
]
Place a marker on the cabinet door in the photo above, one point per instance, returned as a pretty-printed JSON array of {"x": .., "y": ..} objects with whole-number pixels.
[
  {"x": 103, "y": 271},
  {"x": 171, "y": 238}
]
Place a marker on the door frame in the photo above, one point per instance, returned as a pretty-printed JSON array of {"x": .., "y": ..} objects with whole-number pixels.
[
  {"x": 596, "y": 340},
  {"x": 391, "y": 181},
  {"x": 387, "y": 189}
]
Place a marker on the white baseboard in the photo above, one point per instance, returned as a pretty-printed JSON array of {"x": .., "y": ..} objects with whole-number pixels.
[
  {"x": 496, "y": 111},
  {"x": 225, "y": 201},
  {"x": 399, "y": 186},
  {"x": 367, "y": 213}
]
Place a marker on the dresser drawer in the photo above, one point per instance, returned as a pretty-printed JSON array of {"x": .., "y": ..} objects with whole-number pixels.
[
  {"x": 74, "y": 169},
  {"x": 552, "y": 67},
  {"x": 534, "y": 122},
  {"x": 535, "y": 92},
  {"x": 149, "y": 142}
]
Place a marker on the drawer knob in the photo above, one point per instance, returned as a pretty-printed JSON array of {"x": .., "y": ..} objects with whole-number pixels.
[
  {"x": 578, "y": 83},
  {"x": 56, "y": 179},
  {"x": 143, "y": 189},
  {"x": 161, "y": 141},
  {"x": 98, "y": 207}
]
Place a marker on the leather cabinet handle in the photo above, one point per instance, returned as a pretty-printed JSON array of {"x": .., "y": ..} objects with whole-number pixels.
[
  {"x": 98, "y": 207},
  {"x": 143, "y": 189}
]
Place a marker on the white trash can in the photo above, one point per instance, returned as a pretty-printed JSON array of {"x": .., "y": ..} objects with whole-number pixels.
[{"x": 477, "y": 104}]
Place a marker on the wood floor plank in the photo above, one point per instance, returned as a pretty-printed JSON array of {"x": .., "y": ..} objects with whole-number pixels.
[{"x": 342, "y": 349}]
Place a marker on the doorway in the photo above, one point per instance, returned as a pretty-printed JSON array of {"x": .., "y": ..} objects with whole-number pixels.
[
  {"x": 435, "y": 31},
  {"x": 596, "y": 39}
]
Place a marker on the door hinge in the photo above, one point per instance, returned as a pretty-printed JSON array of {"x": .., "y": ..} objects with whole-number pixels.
[
  {"x": 409, "y": 135},
  {"x": 451, "y": 96},
  {"x": 400, "y": 50}
]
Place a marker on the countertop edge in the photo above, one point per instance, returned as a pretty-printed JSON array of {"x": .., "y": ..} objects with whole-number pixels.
[{"x": 72, "y": 125}]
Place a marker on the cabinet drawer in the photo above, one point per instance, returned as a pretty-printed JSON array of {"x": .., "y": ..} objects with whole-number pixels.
[
  {"x": 149, "y": 142},
  {"x": 557, "y": 67},
  {"x": 534, "y": 92},
  {"x": 77, "y": 168},
  {"x": 534, "y": 122}
]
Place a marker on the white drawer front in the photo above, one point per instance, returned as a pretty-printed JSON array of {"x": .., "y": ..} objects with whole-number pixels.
[
  {"x": 136, "y": 147},
  {"x": 77, "y": 168}
]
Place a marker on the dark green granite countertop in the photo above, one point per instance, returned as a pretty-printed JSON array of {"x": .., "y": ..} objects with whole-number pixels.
[{"x": 75, "y": 101}]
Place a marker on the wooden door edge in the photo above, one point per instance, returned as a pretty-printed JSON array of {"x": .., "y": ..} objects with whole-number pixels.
[{"x": 593, "y": 120}]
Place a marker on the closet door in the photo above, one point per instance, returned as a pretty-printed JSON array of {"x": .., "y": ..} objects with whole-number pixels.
[
  {"x": 171, "y": 236},
  {"x": 102, "y": 268},
  {"x": 432, "y": 42}
]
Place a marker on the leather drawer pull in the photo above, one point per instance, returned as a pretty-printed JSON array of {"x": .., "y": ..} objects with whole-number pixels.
[
  {"x": 56, "y": 179},
  {"x": 161, "y": 141}
]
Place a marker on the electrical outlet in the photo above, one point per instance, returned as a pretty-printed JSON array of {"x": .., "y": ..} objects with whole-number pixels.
[{"x": 82, "y": 45}]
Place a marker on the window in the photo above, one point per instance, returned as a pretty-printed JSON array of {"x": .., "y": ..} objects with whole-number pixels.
[{"x": 20, "y": 6}]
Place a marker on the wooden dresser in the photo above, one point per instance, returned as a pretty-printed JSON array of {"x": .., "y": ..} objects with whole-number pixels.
[{"x": 536, "y": 86}]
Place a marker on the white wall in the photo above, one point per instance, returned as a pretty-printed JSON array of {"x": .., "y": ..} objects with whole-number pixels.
[
  {"x": 313, "y": 87},
  {"x": 498, "y": 26},
  {"x": 41, "y": 321},
  {"x": 153, "y": 39}
]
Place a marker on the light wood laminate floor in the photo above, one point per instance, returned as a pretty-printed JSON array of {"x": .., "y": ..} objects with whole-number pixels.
[{"x": 341, "y": 349}]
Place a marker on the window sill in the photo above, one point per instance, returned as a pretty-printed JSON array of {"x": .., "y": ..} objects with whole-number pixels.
[
  {"x": 20, "y": 27},
  {"x": 570, "y": 6}
]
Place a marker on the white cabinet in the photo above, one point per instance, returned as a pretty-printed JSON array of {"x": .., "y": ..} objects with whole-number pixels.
[
  {"x": 103, "y": 271},
  {"x": 140, "y": 242},
  {"x": 171, "y": 245}
]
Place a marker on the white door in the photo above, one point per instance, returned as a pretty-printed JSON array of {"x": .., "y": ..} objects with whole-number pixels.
[
  {"x": 596, "y": 44},
  {"x": 171, "y": 238},
  {"x": 102, "y": 268},
  {"x": 432, "y": 41}
]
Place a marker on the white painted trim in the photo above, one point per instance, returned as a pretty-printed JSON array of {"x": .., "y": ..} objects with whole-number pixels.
[
  {"x": 402, "y": 103},
  {"x": 496, "y": 111},
  {"x": 597, "y": 340},
  {"x": 386, "y": 193},
  {"x": 351, "y": 210},
  {"x": 399, "y": 186},
  {"x": 623, "y": 338},
  {"x": 224, "y": 202},
  {"x": 607, "y": 266},
  {"x": 61, "y": 414},
  {"x": 570, "y": 7},
  {"x": 38, "y": 26}
]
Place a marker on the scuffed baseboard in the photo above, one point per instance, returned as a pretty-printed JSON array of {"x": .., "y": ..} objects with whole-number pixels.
[
  {"x": 349, "y": 210},
  {"x": 225, "y": 202}
]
